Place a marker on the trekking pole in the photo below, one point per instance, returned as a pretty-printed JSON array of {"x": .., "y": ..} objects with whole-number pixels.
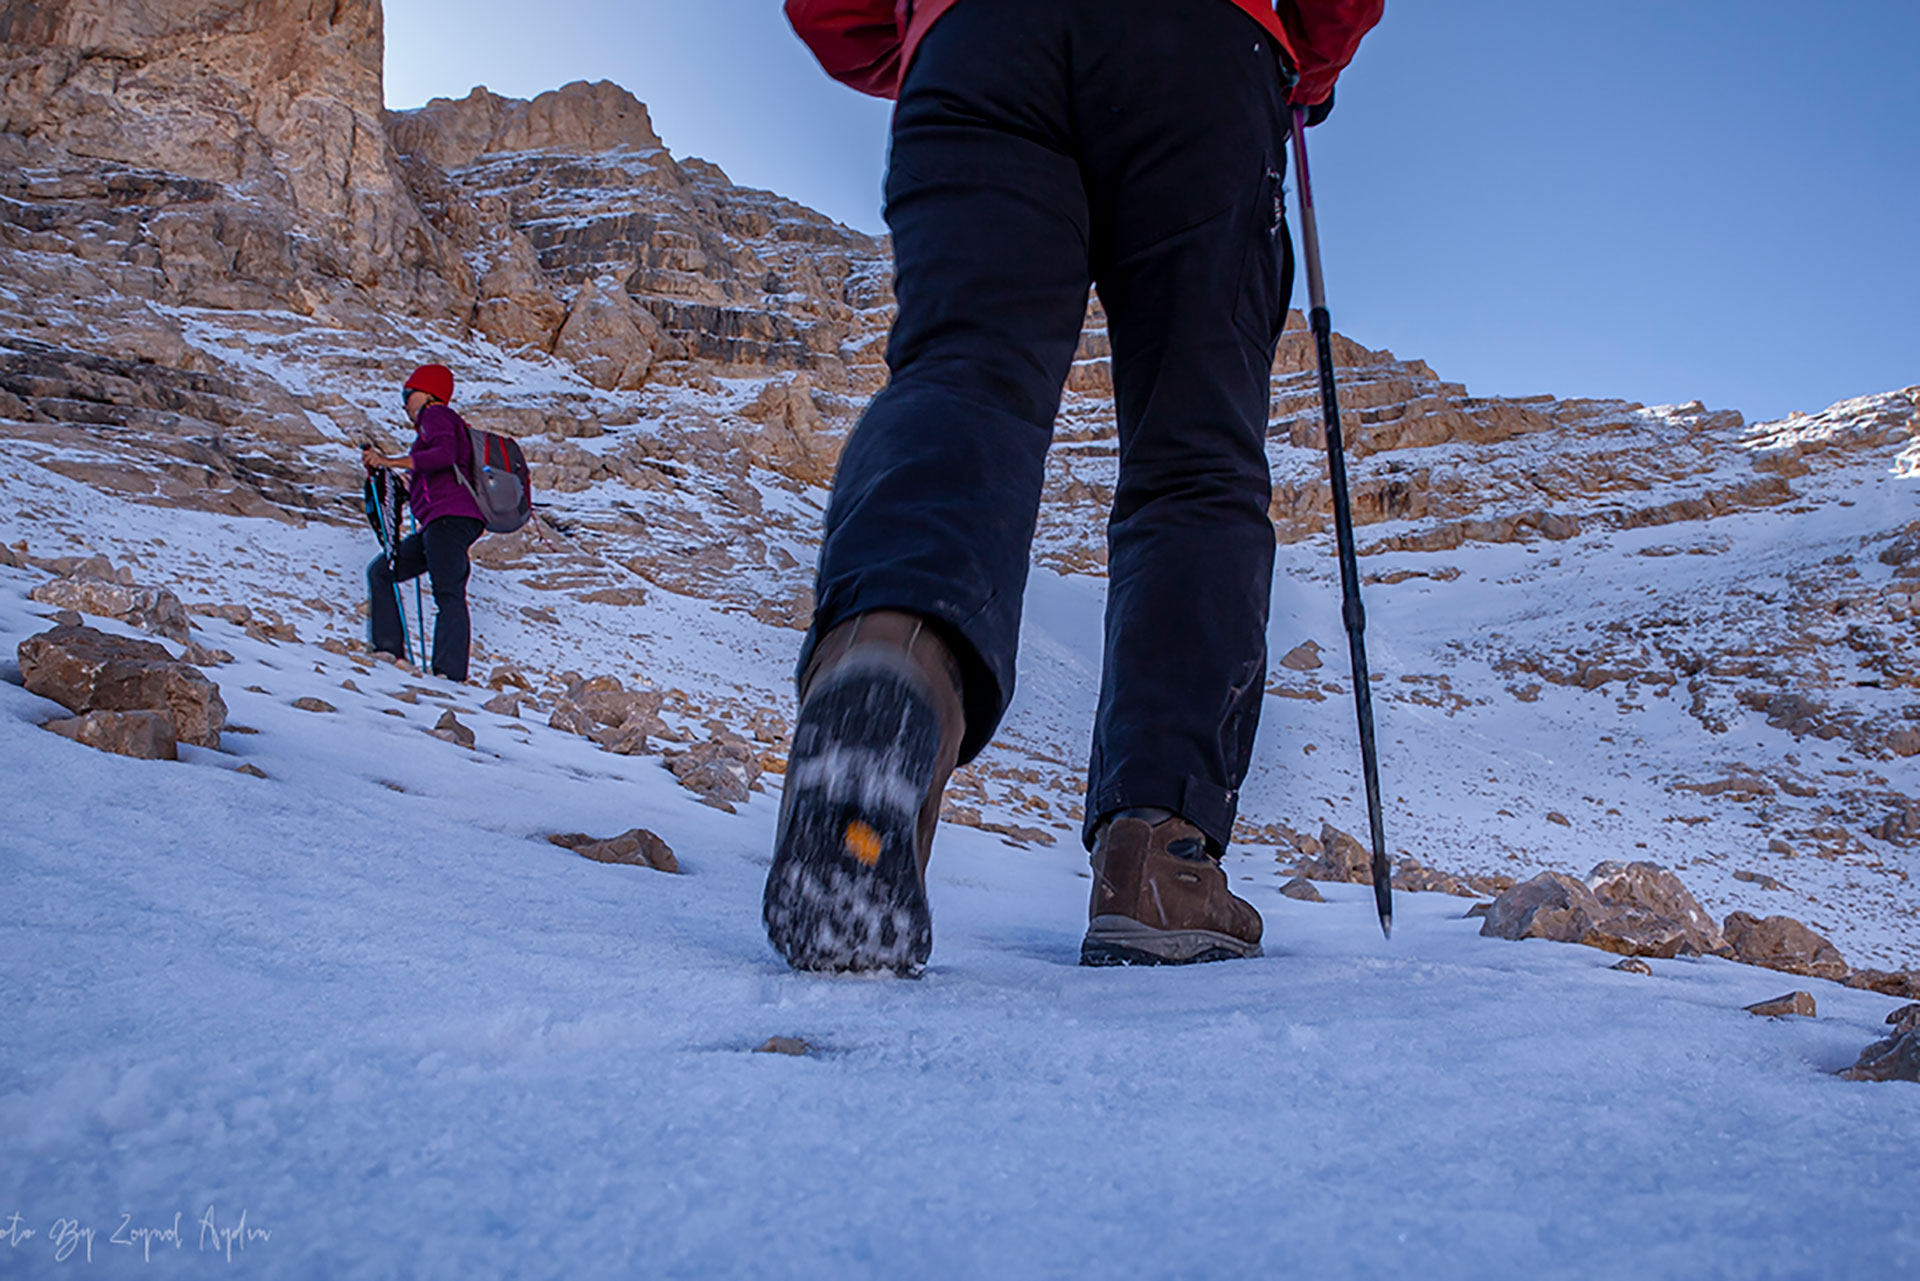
[
  {"x": 388, "y": 533},
  {"x": 419, "y": 603},
  {"x": 1350, "y": 608}
]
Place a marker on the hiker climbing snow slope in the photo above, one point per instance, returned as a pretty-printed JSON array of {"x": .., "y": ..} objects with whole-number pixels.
[{"x": 1040, "y": 146}]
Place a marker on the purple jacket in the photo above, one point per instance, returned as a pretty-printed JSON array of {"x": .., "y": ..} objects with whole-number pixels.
[{"x": 441, "y": 445}]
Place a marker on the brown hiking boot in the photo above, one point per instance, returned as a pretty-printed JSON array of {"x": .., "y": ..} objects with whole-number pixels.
[
  {"x": 876, "y": 740},
  {"x": 1161, "y": 898}
]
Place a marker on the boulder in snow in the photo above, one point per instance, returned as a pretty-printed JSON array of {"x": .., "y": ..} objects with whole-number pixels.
[
  {"x": 153, "y": 609},
  {"x": 570, "y": 716},
  {"x": 1303, "y": 889},
  {"x": 1800, "y": 1003},
  {"x": 720, "y": 771},
  {"x": 1416, "y": 878},
  {"x": 1552, "y": 905},
  {"x": 1895, "y": 1059},
  {"x": 84, "y": 671},
  {"x": 1337, "y": 857},
  {"x": 506, "y": 703},
  {"x": 144, "y": 735},
  {"x": 1784, "y": 944},
  {"x": 1304, "y": 657},
  {"x": 637, "y": 847},
  {"x": 1654, "y": 891},
  {"x": 1901, "y": 983},
  {"x": 449, "y": 728}
]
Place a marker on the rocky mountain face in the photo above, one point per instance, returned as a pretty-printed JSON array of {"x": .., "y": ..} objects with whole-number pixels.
[{"x": 219, "y": 255}]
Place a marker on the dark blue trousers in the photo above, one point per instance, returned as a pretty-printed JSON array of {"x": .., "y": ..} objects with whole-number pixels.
[
  {"x": 440, "y": 552},
  {"x": 1041, "y": 146}
]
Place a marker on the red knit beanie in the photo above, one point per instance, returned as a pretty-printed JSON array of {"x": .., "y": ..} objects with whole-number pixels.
[{"x": 435, "y": 380}]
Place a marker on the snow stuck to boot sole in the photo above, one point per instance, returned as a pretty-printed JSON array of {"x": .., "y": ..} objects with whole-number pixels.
[
  {"x": 844, "y": 892},
  {"x": 1121, "y": 940}
]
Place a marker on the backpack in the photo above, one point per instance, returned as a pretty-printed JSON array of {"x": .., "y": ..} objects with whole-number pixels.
[{"x": 496, "y": 475}]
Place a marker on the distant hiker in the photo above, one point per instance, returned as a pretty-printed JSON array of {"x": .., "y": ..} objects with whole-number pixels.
[
  {"x": 1040, "y": 145},
  {"x": 449, "y": 520}
]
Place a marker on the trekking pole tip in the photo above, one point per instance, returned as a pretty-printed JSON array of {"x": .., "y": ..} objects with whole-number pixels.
[{"x": 1386, "y": 926}]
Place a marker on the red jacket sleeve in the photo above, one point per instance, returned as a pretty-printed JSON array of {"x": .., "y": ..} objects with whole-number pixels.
[
  {"x": 1324, "y": 35},
  {"x": 858, "y": 42}
]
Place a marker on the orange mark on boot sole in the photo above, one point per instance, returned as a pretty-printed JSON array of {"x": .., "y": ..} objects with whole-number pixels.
[{"x": 863, "y": 843}]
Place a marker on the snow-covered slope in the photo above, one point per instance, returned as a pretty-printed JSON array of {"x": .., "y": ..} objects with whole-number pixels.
[{"x": 362, "y": 1002}]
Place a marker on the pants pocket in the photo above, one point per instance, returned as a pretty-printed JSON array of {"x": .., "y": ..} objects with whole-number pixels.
[{"x": 1267, "y": 279}]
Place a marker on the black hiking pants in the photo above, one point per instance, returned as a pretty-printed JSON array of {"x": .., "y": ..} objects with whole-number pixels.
[
  {"x": 439, "y": 551},
  {"x": 1039, "y": 146}
]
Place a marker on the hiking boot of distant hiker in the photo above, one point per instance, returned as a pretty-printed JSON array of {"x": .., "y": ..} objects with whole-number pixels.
[
  {"x": 1160, "y": 897},
  {"x": 877, "y": 738}
]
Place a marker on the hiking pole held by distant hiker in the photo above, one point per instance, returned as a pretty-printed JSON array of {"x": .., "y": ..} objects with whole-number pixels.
[
  {"x": 383, "y": 495},
  {"x": 1350, "y": 608}
]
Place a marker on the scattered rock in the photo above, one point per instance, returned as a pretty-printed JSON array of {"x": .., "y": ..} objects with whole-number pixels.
[
  {"x": 1304, "y": 657},
  {"x": 1336, "y": 857},
  {"x": 1416, "y": 878},
  {"x": 85, "y": 670},
  {"x": 784, "y": 1045},
  {"x": 1303, "y": 889},
  {"x": 1905, "y": 1019},
  {"x": 1761, "y": 879},
  {"x": 144, "y": 735},
  {"x": 1550, "y": 906},
  {"x": 204, "y": 656},
  {"x": 1633, "y": 965},
  {"x": 625, "y": 740},
  {"x": 616, "y": 708},
  {"x": 449, "y": 728},
  {"x": 637, "y": 847},
  {"x": 1478, "y": 910},
  {"x": 1900, "y": 983},
  {"x": 506, "y": 676},
  {"x": 314, "y": 705},
  {"x": 153, "y": 609},
  {"x": 1558, "y": 907},
  {"x": 1800, "y": 1003},
  {"x": 571, "y": 717},
  {"x": 1654, "y": 891},
  {"x": 1784, "y": 944},
  {"x": 1556, "y": 817},
  {"x": 1895, "y": 1059},
  {"x": 251, "y": 771},
  {"x": 506, "y": 703},
  {"x": 1626, "y": 932},
  {"x": 720, "y": 771}
]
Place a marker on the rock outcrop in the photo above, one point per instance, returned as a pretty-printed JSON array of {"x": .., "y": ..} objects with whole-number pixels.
[
  {"x": 85, "y": 671},
  {"x": 1633, "y": 909},
  {"x": 1784, "y": 944},
  {"x": 154, "y": 609}
]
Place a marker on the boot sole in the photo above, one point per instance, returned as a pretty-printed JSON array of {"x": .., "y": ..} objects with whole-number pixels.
[
  {"x": 1121, "y": 940},
  {"x": 844, "y": 893}
]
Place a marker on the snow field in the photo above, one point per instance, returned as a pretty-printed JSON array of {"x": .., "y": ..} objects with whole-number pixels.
[{"x": 362, "y": 1001}]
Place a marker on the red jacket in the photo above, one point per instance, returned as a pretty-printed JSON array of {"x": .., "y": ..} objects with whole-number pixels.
[{"x": 869, "y": 43}]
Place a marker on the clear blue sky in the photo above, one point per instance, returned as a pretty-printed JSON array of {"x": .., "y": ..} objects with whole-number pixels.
[{"x": 1655, "y": 199}]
